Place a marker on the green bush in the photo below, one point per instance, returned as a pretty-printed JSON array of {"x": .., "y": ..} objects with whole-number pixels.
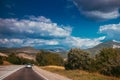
[
  {"x": 47, "y": 58},
  {"x": 26, "y": 61},
  {"x": 12, "y": 58},
  {"x": 78, "y": 59},
  {"x": 1, "y": 60},
  {"x": 108, "y": 62}
]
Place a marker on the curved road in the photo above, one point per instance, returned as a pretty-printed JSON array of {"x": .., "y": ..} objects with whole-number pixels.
[{"x": 24, "y": 74}]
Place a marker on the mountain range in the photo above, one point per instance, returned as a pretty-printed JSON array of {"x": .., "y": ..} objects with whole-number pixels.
[
  {"x": 109, "y": 44},
  {"x": 32, "y": 51},
  {"x": 28, "y": 50}
]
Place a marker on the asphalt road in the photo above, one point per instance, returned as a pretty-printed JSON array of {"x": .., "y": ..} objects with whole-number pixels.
[{"x": 24, "y": 74}]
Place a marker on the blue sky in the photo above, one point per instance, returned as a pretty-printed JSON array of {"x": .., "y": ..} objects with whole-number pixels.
[{"x": 58, "y": 23}]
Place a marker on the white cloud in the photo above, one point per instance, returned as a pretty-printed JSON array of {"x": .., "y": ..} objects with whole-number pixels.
[
  {"x": 27, "y": 42},
  {"x": 41, "y": 27},
  {"x": 102, "y": 15},
  {"x": 39, "y": 42},
  {"x": 10, "y": 42},
  {"x": 16, "y": 41},
  {"x": 111, "y": 30},
  {"x": 39, "y": 32},
  {"x": 4, "y": 41},
  {"x": 40, "y": 19},
  {"x": 82, "y": 42},
  {"x": 69, "y": 42},
  {"x": 99, "y": 9}
]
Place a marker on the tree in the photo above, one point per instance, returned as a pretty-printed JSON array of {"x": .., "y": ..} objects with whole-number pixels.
[
  {"x": 47, "y": 58},
  {"x": 26, "y": 61},
  {"x": 12, "y": 58},
  {"x": 1, "y": 60},
  {"x": 108, "y": 61},
  {"x": 78, "y": 59}
]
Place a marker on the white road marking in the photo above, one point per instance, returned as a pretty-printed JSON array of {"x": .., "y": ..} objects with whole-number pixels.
[{"x": 40, "y": 74}]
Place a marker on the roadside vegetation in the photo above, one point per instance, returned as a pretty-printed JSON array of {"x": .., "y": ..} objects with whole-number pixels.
[
  {"x": 81, "y": 66},
  {"x": 107, "y": 62},
  {"x": 42, "y": 58},
  {"x": 45, "y": 58},
  {"x": 1, "y": 60},
  {"x": 14, "y": 59},
  {"x": 77, "y": 74}
]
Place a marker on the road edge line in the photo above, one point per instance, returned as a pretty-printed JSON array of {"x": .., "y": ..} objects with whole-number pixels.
[{"x": 39, "y": 73}]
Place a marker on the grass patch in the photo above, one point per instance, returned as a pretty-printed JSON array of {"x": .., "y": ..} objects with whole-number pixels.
[{"x": 78, "y": 74}]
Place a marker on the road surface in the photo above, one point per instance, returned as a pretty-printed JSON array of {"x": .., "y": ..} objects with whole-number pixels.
[{"x": 24, "y": 74}]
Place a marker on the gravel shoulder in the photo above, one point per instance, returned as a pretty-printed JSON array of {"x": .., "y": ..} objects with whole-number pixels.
[{"x": 49, "y": 75}]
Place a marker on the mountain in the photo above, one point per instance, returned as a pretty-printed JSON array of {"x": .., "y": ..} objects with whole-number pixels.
[
  {"x": 32, "y": 51},
  {"x": 4, "y": 55},
  {"x": 60, "y": 51},
  {"x": 57, "y": 50},
  {"x": 26, "y": 56},
  {"x": 108, "y": 44},
  {"x": 28, "y": 50}
]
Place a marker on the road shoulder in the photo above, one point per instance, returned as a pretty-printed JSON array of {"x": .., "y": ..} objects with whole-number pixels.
[
  {"x": 8, "y": 70},
  {"x": 49, "y": 75}
]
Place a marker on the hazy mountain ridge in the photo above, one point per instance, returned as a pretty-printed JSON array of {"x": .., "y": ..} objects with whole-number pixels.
[
  {"x": 108, "y": 44},
  {"x": 32, "y": 51},
  {"x": 26, "y": 56},
  {"x": 61, "y": 51},
  {"x": 28, "y": 50}
]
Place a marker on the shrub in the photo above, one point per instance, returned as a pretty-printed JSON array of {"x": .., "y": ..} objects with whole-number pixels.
[
  {"x": 47, "y": 58},
  {"x": 78, "y": 59},
  {"x": 12, "y": 58},
  {"x": 108, "y": 62},
  {"x": 1, "y": 60}
]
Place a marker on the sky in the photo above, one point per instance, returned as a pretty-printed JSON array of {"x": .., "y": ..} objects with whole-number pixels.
[{"x": 58, "y": 23}]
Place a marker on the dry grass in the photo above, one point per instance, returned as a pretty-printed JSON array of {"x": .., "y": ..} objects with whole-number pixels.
[
  {"x": 54, "y": 67},
  {"x": 26, "y": 56},
  {"x": 78, "y": 74},
  {"x": 4, "y": 55},
  {"x": 6, "y": 63}
]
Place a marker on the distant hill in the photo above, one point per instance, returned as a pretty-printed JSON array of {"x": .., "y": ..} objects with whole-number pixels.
[
  {"x": 60, "y": 51},
  {"x": 28, "y": 50},
  {"x": 26, "y": 56},
  {"x": 4, "y": 55},
  {"x": 32, "y": 51},
  {"x": 108, "y": 44}
]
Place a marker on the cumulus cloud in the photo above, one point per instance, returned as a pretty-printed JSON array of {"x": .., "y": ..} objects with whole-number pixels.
[
  {"x": 99, "y": 9},
  {"x": 26, "y": 42},
  {"x": 40, "y": 32},
  {"x": 34, "y": 27},
  {"x": 112, "y": 31},
  {"x": 83, "y": 42},
  {"x": 68, "y": 42},
  {"x": 40, "y": 19},
  {"x": 40, "y": 42},
  {"x": 10, "y": 42}
]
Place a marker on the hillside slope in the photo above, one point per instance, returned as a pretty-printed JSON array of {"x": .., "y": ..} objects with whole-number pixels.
[{"x": 108, "y": 44}]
